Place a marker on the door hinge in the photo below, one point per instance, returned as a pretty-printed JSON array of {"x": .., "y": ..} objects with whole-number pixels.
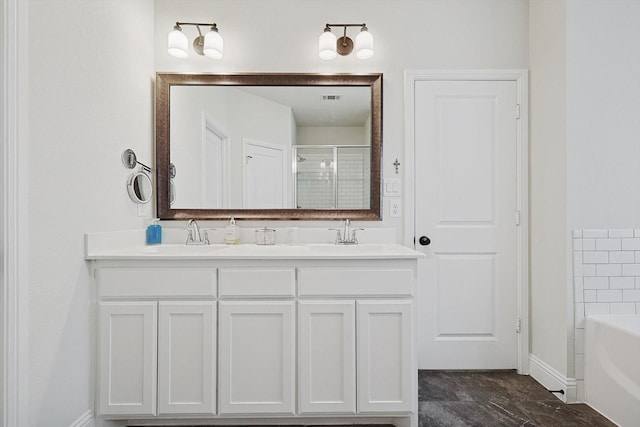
[
  {"x": 517, "y": 217},
  {"x": 518, "y": 325},
  {"x": 517, "y": 111}
]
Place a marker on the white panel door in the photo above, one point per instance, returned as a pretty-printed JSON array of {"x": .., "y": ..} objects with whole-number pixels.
[
  {"x": 326, "y": 357},
  {"x": 127, "y": 358},
  {"x": 466, "y": 201},
  {"x": 257, "y": 357},
  {"x": 264, "y": 176},
  {"x": 385, "y": 378},
  {"x": 186, "y": 357}
]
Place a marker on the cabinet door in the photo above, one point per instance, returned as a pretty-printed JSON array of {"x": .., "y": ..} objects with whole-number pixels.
[
  {"x": 256, "y": 351},
  {"x": 326, "y": 357},
  {"x": 384, "y": 356},
  {"x": 127, "y": 358},
  {"x": 186, "y": 357}
]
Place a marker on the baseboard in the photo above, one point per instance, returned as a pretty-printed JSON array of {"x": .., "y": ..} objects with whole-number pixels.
[
  {"x": 552, "y": 379},
  {"x": 85, "y": 420}
]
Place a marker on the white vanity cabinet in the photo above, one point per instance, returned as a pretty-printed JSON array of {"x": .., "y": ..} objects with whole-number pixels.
[
  {"x": 298, "y": 338},
  {"x": 373, "y": 303},
  {"x": 127, "y": 354},
  {"x": 257, "y": 341},
  {"x": 156, "y": 350},
  {"x": 327, "y": 356}
]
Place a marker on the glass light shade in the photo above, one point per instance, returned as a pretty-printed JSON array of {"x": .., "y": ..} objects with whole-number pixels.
[
  {"x": 364, "y": 45},
  {"x": 327, "y": 45},
  {"x": 213, "y": 45},
  {"x": 178, "y": 44}
]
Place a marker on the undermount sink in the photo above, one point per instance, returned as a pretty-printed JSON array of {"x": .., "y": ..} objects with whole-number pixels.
[
  {"x": 360, "y": 248},
  {"x": 175, "y": 249}
]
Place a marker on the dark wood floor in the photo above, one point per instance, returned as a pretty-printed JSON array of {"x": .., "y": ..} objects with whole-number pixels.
[
  {"x": 496, "y": 399},
  {"x": 493, "y": 399}
]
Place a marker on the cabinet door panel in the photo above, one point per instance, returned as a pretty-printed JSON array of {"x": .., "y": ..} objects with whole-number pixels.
[
  {"x": 186, "y": 357},
  {"x": 384, "y": 356},
  {"x": 127, "y": 358},
  {"x": 326, "y": 357},
  {"x": 257, "y": 357}
]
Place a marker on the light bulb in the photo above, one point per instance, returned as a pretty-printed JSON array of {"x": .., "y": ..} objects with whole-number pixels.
[
  {"x": 327, "y": 45},
  {"x": 364, "y": 44},
  {"x": 178, "y": 43},
  {"x": 213, "y": 44}
]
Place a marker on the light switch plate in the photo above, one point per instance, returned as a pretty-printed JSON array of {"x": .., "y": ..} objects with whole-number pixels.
[{"x": 392, "y": 187}]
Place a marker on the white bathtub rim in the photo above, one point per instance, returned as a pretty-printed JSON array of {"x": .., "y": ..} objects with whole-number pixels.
[
  {"x": 598, "y": 356},
  {"x": 629, "y": 323}
]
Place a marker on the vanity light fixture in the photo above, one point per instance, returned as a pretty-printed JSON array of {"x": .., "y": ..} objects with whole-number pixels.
[
  {"x": 329, "y": 46},
  {"x": 210, "y": 45}
]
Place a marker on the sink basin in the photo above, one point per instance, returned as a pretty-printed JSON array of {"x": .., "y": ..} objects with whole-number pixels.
[
  {"x": 180, "y": 249},
  {"x": 354, "y": 249}
]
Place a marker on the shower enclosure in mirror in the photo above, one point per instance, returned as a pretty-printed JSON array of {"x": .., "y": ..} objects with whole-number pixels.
[
  {"x": 331, "y": 177},
  {"x": 237, "y": 141}
]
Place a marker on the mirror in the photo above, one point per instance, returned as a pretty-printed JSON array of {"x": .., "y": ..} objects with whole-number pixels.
[
  {"x": 139, "y": 187},
  {"x": 269, "y": 146}
]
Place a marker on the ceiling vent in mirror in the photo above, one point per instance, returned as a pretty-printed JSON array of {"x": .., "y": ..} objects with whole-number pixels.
[{"x": 331, "y": 97}]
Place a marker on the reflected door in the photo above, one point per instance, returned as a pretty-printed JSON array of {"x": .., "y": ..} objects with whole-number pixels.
[
  {"x": 466, "y": 189},
  {"x": 264, "y": 175}
]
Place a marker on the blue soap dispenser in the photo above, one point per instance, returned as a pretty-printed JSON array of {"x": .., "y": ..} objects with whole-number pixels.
[{"x": 154, "y": 232}]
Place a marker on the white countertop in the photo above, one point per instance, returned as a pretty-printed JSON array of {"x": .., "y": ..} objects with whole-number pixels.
[{"x": 126, "y": 245}]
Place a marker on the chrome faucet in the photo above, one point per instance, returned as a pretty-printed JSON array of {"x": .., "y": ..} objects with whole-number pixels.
[
  {"x": 346, "y": 236},
  {"x": 194, "y": 235}
]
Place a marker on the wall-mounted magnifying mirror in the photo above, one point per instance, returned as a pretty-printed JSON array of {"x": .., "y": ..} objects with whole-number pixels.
[{"x": 140, "y": 187}]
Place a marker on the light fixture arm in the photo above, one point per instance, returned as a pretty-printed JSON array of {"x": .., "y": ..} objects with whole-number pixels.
[
  {"x": 345, "y": 25},
  {"x": 196, "y": 24}
]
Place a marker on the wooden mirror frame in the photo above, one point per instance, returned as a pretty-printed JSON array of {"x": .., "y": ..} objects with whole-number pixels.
[{"x": 164, "y": 82}]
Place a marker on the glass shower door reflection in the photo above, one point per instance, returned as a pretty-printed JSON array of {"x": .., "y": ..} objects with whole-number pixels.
[
  {"x": 315, "y": 178},
  {"x": 332, "y": 177}
]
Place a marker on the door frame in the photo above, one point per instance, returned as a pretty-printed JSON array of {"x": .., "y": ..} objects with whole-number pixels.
[
  {"x": 14, "y": 295},
  {"x": 521, "y": 78},
  {"x": 210, "y": 124}
]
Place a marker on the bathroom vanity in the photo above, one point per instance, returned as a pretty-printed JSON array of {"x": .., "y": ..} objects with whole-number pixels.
[{"x": 306, "y": 334}]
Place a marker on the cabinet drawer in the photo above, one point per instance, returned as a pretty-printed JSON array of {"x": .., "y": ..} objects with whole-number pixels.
[
  {"x": 355, "y": 282},
  {"x": 157, "y": 282},
  {"x": 250, "y": 282}
]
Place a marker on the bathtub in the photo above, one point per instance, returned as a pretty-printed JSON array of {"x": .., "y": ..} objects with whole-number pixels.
[{"x": 612, "y": 367}]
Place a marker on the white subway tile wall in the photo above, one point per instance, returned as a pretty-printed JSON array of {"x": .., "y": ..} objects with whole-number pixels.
[{"x": 606, "y": 279}]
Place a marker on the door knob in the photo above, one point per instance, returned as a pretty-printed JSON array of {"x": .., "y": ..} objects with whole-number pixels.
[{"x": 424, "y": 241}]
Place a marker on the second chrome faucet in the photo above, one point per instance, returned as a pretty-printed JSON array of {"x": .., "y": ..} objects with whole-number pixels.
[{"x": 347, "y": 236}]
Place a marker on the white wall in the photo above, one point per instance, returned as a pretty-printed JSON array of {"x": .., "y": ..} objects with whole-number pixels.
[
  {"x": 186, "y": 126},
  {"x": 408, "y": 34},
  {"x": 603, "y": 149},
  {"x": 603, "y": 104},
  {"x": 547, "y": 26},
  {"x": 90, "y": 97},
  {"x": 312, "y": 135},
  {"x": 585, "y": 104}
]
